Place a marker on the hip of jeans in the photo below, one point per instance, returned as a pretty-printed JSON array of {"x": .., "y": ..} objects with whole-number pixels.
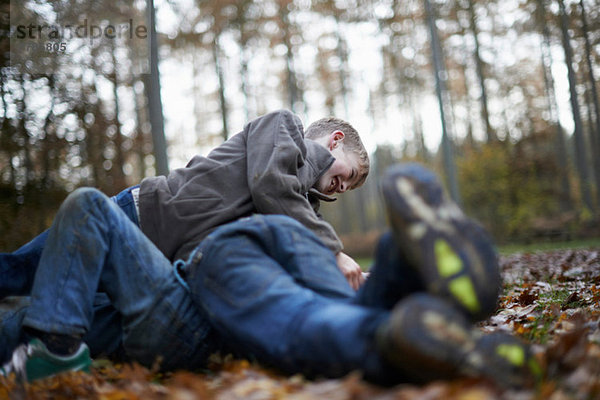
[{"x": 126, "y": 200}]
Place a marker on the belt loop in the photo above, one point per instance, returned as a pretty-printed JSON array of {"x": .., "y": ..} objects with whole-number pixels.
[{"x": 180, "y": 273}]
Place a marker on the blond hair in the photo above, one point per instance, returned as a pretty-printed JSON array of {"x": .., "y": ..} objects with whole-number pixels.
[{"x": 352, "y": 142}]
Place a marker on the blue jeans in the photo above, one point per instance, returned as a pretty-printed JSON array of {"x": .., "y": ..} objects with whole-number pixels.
[
  {"x": 17, "y": 269},
  {"x": 264, "y": 285},
  {"x": 93, "y": 247},
  {"x": 273, "y": 291},
  {"x": 103, "y": 338}
]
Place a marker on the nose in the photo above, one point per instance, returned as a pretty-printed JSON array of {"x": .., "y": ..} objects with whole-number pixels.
[{"x": 343, "y": 187}]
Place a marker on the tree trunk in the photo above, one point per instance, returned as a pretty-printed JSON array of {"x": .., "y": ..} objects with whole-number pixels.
[
  {"x": 342, "y": 53},
  {"x": 155, "y": 110},
  {"x": 422, "y": 151},
  {"x": 560, "y": 145},
  {"x": 49, "y": 139},
  {"x": 22, "y": 132},
  {"x": 592, "y": 135},
  {"x": 244, "y": 82},
  {"x": 119, "y": 159},
  {"x": 221, "y": 80},
  {"x": 140, "y": 134},
  {"x": 244, "y": 64},
  {"x": 594, "y": 128},
  {"x": 491, "y": 135},
  {"x": 469, "y": 139},
  {"x": 50, "y": 152},
  {"x": 7, "y": 134},
  {"x": 580, "y": 153},
  {"x": 292, "y": 83},
  {"x": 440, "y": 85}
]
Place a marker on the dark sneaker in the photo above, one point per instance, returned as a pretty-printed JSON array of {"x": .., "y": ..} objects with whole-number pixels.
[
  {"x": 427, "y": 338},
  {"x": 454, "y": 255},
  {"x": 33, "y": 361},
  {"x": 507, "y": 359}
]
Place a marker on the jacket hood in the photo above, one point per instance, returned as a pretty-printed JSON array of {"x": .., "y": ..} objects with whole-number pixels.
[{"x": 318, "y": 161}]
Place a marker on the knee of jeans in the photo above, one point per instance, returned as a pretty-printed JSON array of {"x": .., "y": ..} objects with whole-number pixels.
[{"x": 83, "y": 198}]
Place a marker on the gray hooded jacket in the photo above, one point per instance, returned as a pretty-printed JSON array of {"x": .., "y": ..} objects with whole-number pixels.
[{"x": 268, "y": 168}]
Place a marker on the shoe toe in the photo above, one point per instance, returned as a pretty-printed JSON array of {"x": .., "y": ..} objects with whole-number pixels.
[
  {"x": 426, "y": 338},
  {"x": 452, "y": 253},
  {"x": 508, "y": 360}
]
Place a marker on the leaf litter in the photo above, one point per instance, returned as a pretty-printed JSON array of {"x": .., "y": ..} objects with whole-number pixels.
[{"x": 551, "y": 299}]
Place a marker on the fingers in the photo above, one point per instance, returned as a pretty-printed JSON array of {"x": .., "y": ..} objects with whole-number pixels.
[
  {"x": 361, "y": 278},
  {"x": 355, "y": 277},
  {"x": 351, "y": 270},
  {"x": 350, "y": 277}
]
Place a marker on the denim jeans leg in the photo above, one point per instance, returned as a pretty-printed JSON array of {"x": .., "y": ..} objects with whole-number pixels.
[
  {"x": 391, "y": 279},
  {"x": 92, "y": 246},
  {"x": 103, "y": 338},
  {"x": 242, "y": 282},
  {"x": 17, "y": 269},
  {"x": 12, "y": 311}
]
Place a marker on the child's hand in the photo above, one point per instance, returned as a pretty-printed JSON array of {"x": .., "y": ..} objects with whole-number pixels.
[{"x": 350, "y": 269}]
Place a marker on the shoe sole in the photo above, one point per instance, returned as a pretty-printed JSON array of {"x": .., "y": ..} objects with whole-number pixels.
[
  {"x": 508, "y": 360},
  {"x": 427, "y": 338},
  {"x": 44, "y": 364},
  {"x": 453, "y": 254}
]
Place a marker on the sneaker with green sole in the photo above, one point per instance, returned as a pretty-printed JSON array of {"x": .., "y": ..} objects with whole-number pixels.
[
  {"x": 452, "y": 253},
  {"x": 33, "y": 361},
  {"x": 427, "y": 338}
]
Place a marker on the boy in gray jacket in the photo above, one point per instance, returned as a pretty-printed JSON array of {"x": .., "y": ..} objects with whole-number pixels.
[
  {"x": 268, "y": 168},
  {"x": 271, "y": 167}
]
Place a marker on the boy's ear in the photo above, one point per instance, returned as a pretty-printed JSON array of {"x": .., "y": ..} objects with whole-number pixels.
[{"x": 335, "y": 139}]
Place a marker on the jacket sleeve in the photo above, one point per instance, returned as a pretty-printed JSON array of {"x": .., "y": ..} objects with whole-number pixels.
[{"x": 275, "y": 153}]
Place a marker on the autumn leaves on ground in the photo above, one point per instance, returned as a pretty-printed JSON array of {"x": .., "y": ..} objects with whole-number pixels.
[{"x": 551, "y": 299}]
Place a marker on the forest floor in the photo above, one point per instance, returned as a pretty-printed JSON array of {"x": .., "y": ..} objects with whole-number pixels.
[{"x": 551, "y": 299}]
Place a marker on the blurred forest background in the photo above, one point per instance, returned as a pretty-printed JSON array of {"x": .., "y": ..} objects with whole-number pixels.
[{"x": 499, "y": 97}]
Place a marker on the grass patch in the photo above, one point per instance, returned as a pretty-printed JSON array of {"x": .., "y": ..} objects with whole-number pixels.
[
  {"x": 364, "y": 262},
  {"x": 550, "y": 310},
  {"x": 541, "y": 329},
  {"x": 547, "y": 246}
]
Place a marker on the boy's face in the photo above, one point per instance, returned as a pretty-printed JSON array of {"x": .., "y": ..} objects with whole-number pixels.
[{"x": 343, "y": 173}]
